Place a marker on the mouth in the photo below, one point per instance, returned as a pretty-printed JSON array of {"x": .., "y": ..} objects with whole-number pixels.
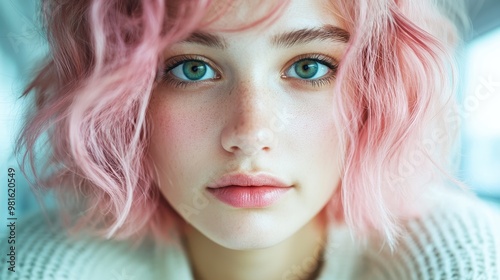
[
  {"x": 249, "y": 196},
  {"x": 249, "y": 190}
]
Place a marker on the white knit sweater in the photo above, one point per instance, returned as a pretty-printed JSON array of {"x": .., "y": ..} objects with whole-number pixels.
[{"x": 459, "y": 239}]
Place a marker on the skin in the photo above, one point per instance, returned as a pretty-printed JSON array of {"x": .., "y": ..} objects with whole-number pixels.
[{"x": 251, "y": 116}]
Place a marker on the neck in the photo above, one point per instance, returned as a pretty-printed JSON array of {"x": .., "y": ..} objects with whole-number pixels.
[{"x": 298, "y": 257}]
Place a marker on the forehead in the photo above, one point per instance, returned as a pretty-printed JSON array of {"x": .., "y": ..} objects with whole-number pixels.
[{"x": 270, "y": 16}]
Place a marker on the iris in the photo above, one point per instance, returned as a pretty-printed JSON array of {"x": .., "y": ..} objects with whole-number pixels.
[
  {"x": 194, "y": 69},
  {"x": 306, "y": 68}
]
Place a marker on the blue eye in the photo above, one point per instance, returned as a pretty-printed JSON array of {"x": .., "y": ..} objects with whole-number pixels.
[
  {"x": 308, "y": 69},
  {"x": 193, "y": 70}
]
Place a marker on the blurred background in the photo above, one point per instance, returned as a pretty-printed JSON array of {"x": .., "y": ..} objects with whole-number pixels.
[
  {"x": 480, "y": 101},
  {"x": 22, "y": 45}
]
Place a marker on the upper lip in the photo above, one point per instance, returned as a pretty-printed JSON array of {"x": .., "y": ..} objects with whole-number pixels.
[{"x": 247, "y": 179}]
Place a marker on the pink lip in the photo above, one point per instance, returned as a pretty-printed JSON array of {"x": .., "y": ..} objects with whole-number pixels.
[{"x": 248, "y": 191}]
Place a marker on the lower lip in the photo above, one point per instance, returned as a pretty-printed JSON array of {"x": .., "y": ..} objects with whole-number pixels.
[{"x": 249, "y": 197}]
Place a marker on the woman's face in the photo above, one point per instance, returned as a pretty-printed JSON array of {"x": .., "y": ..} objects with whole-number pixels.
[{"x": 256, "y": 102}]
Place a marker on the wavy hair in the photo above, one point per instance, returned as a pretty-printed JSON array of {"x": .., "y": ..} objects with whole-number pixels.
[
  {"x": 397, "y": 82},
  {"x": 396, "y": 109}
]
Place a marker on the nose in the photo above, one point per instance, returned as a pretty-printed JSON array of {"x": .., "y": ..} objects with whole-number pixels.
[{"x": 248, "y": 131}]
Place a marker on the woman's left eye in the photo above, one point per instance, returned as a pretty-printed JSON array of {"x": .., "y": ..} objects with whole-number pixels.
[
  {"x": 193, "y": 70},
  {"x": 308, "y": 69}
]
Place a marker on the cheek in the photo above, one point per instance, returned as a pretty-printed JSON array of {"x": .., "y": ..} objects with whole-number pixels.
[
  {"x": 326, "y": 136},
  {"x": 316, "y": 131},
  {"x": 176, "y": 130},
  {"x": 178, "y": 136},
  {"x": 322, "y": 153}
]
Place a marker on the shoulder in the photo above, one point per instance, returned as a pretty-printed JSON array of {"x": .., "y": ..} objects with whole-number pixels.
[
  {"x": 459, "y": 238},
  {"x": 43, "y": 251}
]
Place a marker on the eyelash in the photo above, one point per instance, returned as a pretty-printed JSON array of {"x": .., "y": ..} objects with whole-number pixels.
[{"x": 166, "y": 77}]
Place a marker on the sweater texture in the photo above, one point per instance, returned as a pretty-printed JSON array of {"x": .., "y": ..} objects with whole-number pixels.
[{"x": 458, "y": 239}]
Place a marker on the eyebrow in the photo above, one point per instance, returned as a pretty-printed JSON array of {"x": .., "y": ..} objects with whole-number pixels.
[
  {"x": 286, "y": 39},
  {"x": 302, "y": 36},
  {"x": 206, "y": 39}
]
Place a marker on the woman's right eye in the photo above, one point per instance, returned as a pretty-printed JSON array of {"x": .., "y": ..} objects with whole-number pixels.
[{"x": 193, "y": 70}]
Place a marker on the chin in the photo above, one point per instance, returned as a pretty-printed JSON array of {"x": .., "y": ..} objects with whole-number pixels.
[
  {"x": 251, "y": 232},
  {"x": 250, "y": 241}
]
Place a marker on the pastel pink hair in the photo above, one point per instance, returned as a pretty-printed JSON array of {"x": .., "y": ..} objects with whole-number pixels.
[{"x": 394, "y": 87}]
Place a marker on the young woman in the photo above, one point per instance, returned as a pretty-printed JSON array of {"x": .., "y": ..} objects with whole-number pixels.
[{"x": 250, "y": 140}]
